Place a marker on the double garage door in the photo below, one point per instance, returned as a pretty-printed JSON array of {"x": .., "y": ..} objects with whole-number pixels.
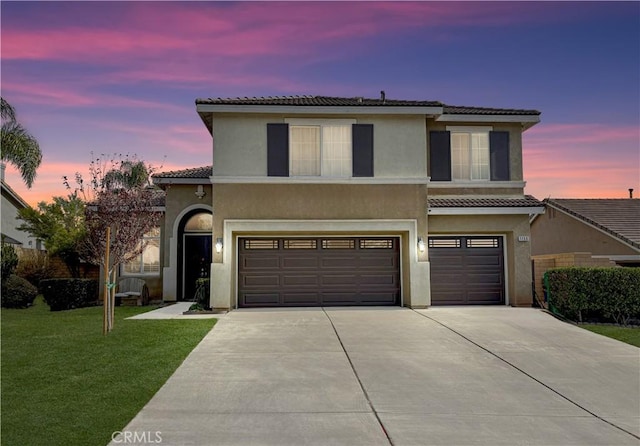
[
  {"x": 317, "y": 271},
  {"x": 467, "y": 270}
]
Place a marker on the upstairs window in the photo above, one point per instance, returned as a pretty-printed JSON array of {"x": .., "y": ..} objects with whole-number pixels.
[
  {"x": 469, "y": 154},
  {"x": 330, "y": 148},
  {"x": 322, "y": 149}
]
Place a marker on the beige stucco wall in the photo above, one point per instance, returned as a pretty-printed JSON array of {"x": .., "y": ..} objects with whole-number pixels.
[
  {"x": 321, "y": 209},
  {"x": 399, "y": 144},
  {"x": 518, "y": 254},
  {"x": 9, "y": 214},
  {"x": 556, "y": 232}
]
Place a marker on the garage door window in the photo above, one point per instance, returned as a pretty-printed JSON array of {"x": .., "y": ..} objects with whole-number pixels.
[
  {"x": 300, "y": 244},
  {"x": 260, "y": 244},
  {"x": 444, "y": 243},
  {"x": 376, "y": 244},
  {"x": 338, "y": 244}
]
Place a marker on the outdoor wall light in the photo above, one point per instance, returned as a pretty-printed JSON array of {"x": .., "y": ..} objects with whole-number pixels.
[
  {"x": 420, "y": 244},
  {"x": 218, "y": 245}
]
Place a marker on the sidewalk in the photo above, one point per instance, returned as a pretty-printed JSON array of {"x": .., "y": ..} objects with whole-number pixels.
[{"x": 175, "y": 311}]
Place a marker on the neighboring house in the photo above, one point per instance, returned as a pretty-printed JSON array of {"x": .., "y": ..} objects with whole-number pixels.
[
  {"x": 351, "y": 201},
  {"x": 11, "y": 205},
  {"x": 605, "y": 228}
]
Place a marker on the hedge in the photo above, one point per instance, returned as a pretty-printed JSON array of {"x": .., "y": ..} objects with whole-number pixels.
[
  {"x": 66, "y": 294},
  {"x": 594, "y": 294},
  {"x": 17, "y": 292}
]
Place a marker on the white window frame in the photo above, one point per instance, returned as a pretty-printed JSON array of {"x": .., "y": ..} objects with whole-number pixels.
[
  {"x": 321, "y": 123},
  {"x": 470, "y": 130},
  {"x": 142, "y": 272}
]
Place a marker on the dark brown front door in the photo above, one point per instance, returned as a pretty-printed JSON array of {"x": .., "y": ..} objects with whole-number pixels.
[
  {"x": 316, "y": 271},
  {"x": 466, "y": 270}
]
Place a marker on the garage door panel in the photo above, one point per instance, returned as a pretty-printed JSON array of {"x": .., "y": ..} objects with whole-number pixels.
[
  {"x": 339, "y": 280},
  {"x": 260, "y": 262},
  {"x": 484, "y": 297},
  {"x": 329, "y": 262},
  {"x": 299, "y": 262},
  {"x": 313, "y": 271},
  {"x": 339, "y": 299},
  {"x": 484, "y": 279},
  {"x": 299, "y": 299},
  {"x": 259, "y": 299},
  {"x": 379, "y": 279},
  {"x": 253, "y": 280},
  {"x": 482, "y": 260},
  {"x": 289, "y": 280},
  {"x": 377, "y": 298}
]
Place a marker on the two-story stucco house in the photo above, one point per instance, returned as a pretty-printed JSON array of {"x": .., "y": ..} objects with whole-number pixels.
[{"x": 327, "y": 201}]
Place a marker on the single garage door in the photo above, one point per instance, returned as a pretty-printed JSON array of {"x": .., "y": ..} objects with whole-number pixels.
[
  {"x": 317, "y": 271},
  {"x": 466, "y": 270}
]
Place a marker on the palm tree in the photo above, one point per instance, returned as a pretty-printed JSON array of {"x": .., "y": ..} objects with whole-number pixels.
[
  {"x": 128, "y": 175},
  {"x": 17, "y": 145}
]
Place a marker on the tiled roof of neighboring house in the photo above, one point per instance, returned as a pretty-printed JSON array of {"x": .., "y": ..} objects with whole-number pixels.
[
  {"x": 196, "y": 172},
  {"x": 527, "y": 201},
  {"x": 619, "y": 217},
  {"x": 320, "y": 101}
]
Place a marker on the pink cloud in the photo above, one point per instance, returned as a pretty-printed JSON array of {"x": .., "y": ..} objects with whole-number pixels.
[{"x": 582, "y": 160}]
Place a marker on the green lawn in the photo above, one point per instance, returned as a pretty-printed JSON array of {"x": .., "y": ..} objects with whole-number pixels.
[
  {"x": 624, "y": 334},
  {"x": 64, "y": 383}
]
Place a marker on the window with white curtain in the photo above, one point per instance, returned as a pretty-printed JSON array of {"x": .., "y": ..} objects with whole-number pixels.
[
  {"x": 320, "y": 148},
  {"x": 469, "y": 153},
  {"x": 149, "y": 261}
]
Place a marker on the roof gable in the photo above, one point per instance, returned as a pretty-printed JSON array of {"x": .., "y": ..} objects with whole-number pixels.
[{"x": 619, "y": 217}]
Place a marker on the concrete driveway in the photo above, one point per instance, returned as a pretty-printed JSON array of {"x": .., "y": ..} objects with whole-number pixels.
[{"x": 394, "y": 376}]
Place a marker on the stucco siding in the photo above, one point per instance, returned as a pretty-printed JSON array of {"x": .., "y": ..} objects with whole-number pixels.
[{"x": 399, "y": 144}]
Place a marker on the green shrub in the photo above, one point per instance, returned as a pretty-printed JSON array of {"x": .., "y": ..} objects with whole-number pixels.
[
  {"x": 9, "y": 260},
  {"x": 17, "y": 292},
  {"x": 203, "y": 291},
  {"x": 597, "y": 294},
  {"x": 34, "y": 266},
  {"x": 66, "y": 294}
]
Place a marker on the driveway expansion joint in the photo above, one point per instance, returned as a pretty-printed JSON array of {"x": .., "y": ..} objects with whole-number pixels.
[
  {"x": 364, "y": 391},
  {"x": 510, "y": 364}
]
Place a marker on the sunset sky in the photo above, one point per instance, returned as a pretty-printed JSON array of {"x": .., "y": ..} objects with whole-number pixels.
[{"x": 122, "y": 77}]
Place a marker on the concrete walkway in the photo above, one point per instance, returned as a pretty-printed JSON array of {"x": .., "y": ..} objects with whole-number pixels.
[
  {"x": 175, "y": 311},
  {"x": 393, "y": 376}
]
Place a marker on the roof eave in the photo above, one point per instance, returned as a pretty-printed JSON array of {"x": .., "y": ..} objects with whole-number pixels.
[
  {"x": 487, "y": 210},
  {"x": 321, "y": 109},
  {"x": 527, "y": 121}
]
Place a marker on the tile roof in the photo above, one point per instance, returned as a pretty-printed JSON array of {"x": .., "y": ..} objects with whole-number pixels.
[
  {"x": 527, "y": 201},
  {"x": 619, "y": 217},
  {"x": 320, "y": 101},
  {"x": 194, "y": 173}
]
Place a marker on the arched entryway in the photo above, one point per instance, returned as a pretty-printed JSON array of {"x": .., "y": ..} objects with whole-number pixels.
[{"x": 194, "y": 251}]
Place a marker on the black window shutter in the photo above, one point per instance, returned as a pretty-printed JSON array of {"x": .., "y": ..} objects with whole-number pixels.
[
  {"x": 278, "y": 150},
  {"x": 440, "y": 155},
  {"x": 362, "y": 139},
  {"x": 499, "y": 155}
]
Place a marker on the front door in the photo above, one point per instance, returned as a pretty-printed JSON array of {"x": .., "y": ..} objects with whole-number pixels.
[{"x": 197, "y": 261}]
